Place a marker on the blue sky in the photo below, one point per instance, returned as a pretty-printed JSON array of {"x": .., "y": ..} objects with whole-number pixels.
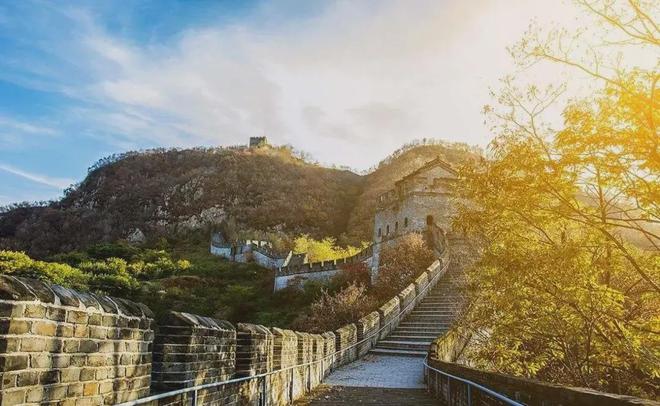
[{"x": 347, "y": 81}]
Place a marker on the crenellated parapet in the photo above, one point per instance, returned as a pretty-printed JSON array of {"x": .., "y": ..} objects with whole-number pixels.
[{"x": 59, "y": 344}]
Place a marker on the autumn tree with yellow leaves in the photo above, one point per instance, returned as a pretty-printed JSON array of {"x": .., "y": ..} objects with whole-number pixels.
[{"x": 567, "y": 217}]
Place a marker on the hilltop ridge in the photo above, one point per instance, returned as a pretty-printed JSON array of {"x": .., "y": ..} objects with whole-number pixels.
[{"x": 160, "y": 193}]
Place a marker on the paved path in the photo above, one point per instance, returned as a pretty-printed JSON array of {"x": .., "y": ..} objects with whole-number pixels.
[
  {"x": 350, "y": 395},
  {"x": 373, "y": 380},
  {"x": 380, "y": 371}
]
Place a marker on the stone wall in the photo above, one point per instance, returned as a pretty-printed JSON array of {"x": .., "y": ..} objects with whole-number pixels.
[
  {"x": 285, "y": 356},
  {"x": 254, "y": 356},
  {"x": 526, "y": 391},
  {"x": 367, "y": 326},
  {"x": 318, "y": 354},
  {"x": 389, "y": 317},
  {"x": 414, "y": 207},
  {"x": 297, "y": 274},
  {"x": 298, "y": 280},
  {"x": 421, "y": 282},
  {"x": 345, "y": 338},
  {"x": 330, "y": 344},
  {"x": 191, "y": 350},
  {"x": 63, "y": 347},
  {"x": 406, "y": 299}
]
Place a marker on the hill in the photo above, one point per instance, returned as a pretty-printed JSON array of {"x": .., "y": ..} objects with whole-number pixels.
[{"x": 171, "y": 193}]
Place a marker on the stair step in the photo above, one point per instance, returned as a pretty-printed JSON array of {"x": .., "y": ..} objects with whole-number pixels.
[
  {"x": 404, "y": 353},
  {"x": 424, "y": 326},
  {"x": 409, "y": 338},
  {"x": 419, "y": 331}
]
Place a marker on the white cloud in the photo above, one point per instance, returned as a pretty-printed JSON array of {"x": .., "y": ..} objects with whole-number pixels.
[
  {"x": 8, "y": 124},
  {"x": 58, "y": 183},
  {"x": 349, "y": 84}
]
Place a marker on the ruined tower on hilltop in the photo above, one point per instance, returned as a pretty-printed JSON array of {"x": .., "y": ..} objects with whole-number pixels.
[{"x": 257, "y": 142}]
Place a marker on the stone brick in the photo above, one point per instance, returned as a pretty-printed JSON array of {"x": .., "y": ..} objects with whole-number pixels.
[
  {"x": 65, "y": 330},
  {"x": 96, "y": 360},
  {"x": 61, "y": 361},
  {"x": 71, "y": 345},
  {"x": 9, "y": 380},
  {"x": 88, "y": 346},
  {"x": 13, "y": 362},
  {"x": 40, "y": 361},
  {"x": 35, "y": 311},
  {"x": 14, "y": 326},
  {"x": 105, "y": 387},
  {"x": 95, "y": 319},
  {"x": 75, "y": 390},
  {"x": 75, "y": 316},
  {"x": 9, "y": 344},
  {"x": 12, "y": 310},
  {"x": 35, "y": 395},
  {"x": 49, "y": 377},
  {"x": 70, "y": 375},
  {"x": 55, "y": 392},
  {"x": 98, "y": 332},
  {"x": 81, "y": 331},
  {"x": 12, "y": 397},
  {"x": 27, "y": 378},
  {"x": 88, "y": 374},
  {"x": 44, "y": 328},
  {"x": 56, "y": 314},
  {"x": 90, "y": 389}
]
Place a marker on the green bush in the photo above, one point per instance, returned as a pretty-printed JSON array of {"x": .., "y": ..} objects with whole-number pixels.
[{"x": 19, "y": 264}]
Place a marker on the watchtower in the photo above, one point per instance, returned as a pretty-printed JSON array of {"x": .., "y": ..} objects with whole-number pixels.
[{"x": 257, "y": 142}]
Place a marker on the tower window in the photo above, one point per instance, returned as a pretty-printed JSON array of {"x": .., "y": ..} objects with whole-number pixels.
[
  {"x": 396, "y": 226},
  {"x": 380, "y": 232},
  {"x": 405, "y": 222},
  {"x": 387, "y": 232}
]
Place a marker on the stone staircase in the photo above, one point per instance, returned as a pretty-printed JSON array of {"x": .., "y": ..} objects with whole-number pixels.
[{"x": 429, "y": 319}]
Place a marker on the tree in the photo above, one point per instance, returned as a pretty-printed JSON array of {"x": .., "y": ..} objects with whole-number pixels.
[
  {"x": 322, "y": 250},
  {"x": 561, "y": 293},
  {"x": 332, "y": 311},
  {"x": 400, "y": 264}
]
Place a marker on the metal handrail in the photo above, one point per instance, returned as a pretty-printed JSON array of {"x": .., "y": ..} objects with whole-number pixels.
[
  {"x": 470, "y": 384},
  {"x": 195, "y": 389}
]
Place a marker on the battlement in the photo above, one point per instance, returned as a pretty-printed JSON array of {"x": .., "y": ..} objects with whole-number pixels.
[{"x": 329, "y": 265}]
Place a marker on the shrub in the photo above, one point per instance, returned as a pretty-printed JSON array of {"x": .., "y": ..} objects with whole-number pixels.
[
  {"x": 333, "y": 311},
  {"x": 322, "y": 250},
  {"x": 401, "y": 264},
  {"x": 357, "y": 273},
  {"x": 19, "y": 264}
]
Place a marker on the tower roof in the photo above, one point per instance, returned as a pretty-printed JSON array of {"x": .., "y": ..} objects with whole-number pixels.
[{"x": 437, "y": 162}]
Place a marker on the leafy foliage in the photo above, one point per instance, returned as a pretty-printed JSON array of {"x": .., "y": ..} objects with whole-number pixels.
[
  {"x": 402, "y": 263},
  {"x": 331, "y": 311},
  {"x": 349, "y": 295},
  {"x": 560, "y": 293},
  {"x": 19, "y": 264},
  {"x": 323, "y": 250}
]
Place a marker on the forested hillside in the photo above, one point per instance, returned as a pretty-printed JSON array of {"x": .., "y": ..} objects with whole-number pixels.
[
  {"x": 171, "y": 193},
  {"x": 166, "y": 193}
]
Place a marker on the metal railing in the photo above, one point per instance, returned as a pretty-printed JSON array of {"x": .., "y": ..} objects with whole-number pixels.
[
  {"x": 469, "y": 385},
  {"x": 193, "y": 392}
]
